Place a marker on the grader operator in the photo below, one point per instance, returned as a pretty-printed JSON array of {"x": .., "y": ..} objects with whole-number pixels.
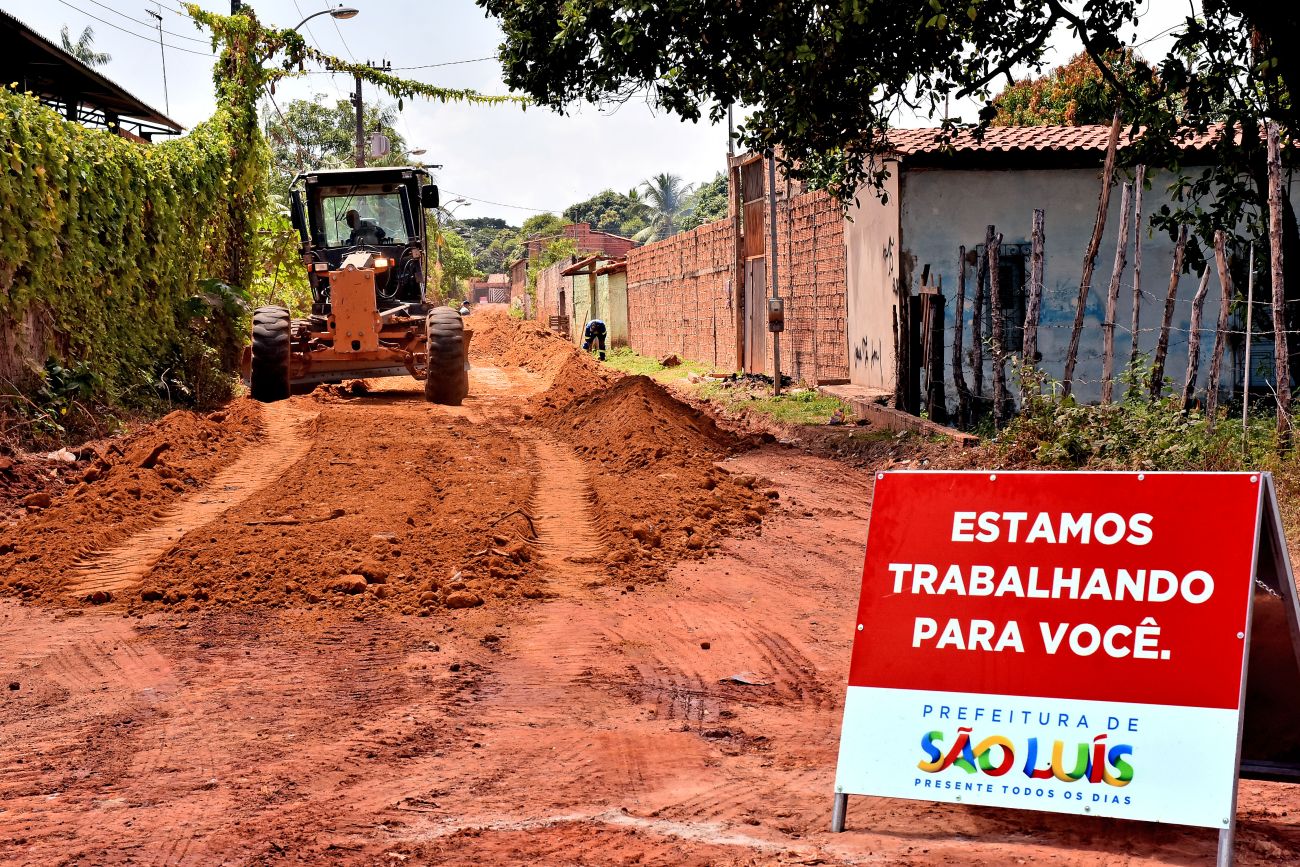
[{"x": 365, "y": 246}]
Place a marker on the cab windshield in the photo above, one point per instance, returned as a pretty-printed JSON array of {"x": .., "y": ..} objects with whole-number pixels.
[{"x": 357, "y": 216}]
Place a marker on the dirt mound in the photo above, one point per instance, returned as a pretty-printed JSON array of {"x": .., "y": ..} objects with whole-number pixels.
[
  {"x": 395, "y": 508},
  {"x": 508, "y": 342},
  {"x": 659, "y": 496},
  {"x": 119, "y": 488}
]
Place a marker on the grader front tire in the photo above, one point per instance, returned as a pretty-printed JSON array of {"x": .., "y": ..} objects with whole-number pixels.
[
  {"x": 448, "y": 379},
  {"x": 269, "y": 379}
]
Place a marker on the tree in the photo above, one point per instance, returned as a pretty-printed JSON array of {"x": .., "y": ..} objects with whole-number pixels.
[
  {"x": 1074, "y": 94},
  {"x": 543, "y": 225},
  {"x": 708, "y": 203},
  {"x": 825, "y": 76},
  {"x": 608, "y": 211},
  {"x": 84, "y": 48},
  {"x": 310, "y": 134},
  {"x": 666, "y": 198},
  {"x": 455, "y": 264}
]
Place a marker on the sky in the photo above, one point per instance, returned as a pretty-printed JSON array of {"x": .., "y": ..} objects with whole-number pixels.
[{"x": 505, "y": 162}]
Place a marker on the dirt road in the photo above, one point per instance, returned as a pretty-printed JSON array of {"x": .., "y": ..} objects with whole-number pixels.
[{"x": 569, "y": 622}]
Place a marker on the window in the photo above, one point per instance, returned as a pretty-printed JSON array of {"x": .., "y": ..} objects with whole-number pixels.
[
  {"x": 379, "y": 213},
  {"x": 1013, "y": 279}
]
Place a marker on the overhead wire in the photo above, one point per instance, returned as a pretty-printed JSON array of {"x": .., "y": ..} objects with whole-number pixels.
[
  {"x": 503, "y": 204},
  {"x": 150, "y": 39},
  {"x": 148, "y": 25}
]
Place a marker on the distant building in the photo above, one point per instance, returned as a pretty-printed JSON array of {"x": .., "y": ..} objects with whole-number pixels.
[
  {"x": 589, "y": 240},
  {"x": 72, "y": 88},
  {"x": 493, "y": 290}
]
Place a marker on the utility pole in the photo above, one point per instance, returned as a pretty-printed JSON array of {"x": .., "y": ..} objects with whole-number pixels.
[
  {"x": 361, "y": 123},
  {"x": 167, "y": 103},
  {"x": 360, "y": 131}
]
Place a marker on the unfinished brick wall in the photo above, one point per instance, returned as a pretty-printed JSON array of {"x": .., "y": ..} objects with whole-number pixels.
[
  {"x": 550, "y": 285},
  {"x": 680, "y": 295},
  {"x": 679, "y": 298},
  {"x": 811, "y": 271}
]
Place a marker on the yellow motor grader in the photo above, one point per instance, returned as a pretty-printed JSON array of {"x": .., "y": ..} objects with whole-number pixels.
[{"x": 364, "y": 243}]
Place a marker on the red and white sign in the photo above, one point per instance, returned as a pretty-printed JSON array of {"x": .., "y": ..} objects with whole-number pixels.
[{"x": 1071, "y": 642}]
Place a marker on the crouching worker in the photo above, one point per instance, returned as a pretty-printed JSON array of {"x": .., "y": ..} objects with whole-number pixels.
[{"x": 594, "y": 337}]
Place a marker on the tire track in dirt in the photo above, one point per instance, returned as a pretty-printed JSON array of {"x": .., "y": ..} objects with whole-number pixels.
[
  {"x": 570, "y": 548},
  {"x": 121, "y": 568}
]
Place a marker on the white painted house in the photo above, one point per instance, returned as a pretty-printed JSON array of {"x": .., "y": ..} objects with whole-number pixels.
[{"x": 940, "y": 198}]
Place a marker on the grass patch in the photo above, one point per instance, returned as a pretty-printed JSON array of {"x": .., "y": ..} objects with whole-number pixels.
[
  {"x": 635, "y": 364},
  {"x": 799, "y": 406}
]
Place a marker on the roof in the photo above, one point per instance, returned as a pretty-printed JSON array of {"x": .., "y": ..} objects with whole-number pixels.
[
  {"x": 367, "y": 170},
  {"x": 45, "y": 69},
  {"x": 1041, "y": 144}
]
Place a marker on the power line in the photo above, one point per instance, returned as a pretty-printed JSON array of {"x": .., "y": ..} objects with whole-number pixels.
[
  {"x": 448, "y": 63},
  {"x": 149, "y": 39},
  {"x": 339, "y": 31},
  {"x": 147, "y": 24},
  {"x": 502, "y": 204}
]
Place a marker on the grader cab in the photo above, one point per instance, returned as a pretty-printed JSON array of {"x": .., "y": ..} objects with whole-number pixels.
[{"x": 364, "y": 244}]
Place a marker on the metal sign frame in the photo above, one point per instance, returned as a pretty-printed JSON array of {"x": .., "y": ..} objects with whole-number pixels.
[{"x": 1274, "y": 578}]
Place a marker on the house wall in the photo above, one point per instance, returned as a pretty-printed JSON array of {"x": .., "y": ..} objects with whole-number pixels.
[
  {"x": 554, "y": 290},
  {"x": 811, "y": 268},
  {"x": 871, "y": 238},
  {"x": 612, "y": 290},
  {"x": 679, "y": 298},
  {"x": 942, "y": 209}
]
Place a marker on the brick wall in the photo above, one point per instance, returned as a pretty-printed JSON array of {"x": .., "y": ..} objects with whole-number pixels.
[
  {"x": 810, "y": 246},
  {"x": 549, "y": 286},
  {"x": 679, "y": 299},
  {"x": 680, "y": 295}
]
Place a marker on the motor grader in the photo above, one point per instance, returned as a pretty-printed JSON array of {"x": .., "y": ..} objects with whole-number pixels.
[{"x": 364, "y": 244}]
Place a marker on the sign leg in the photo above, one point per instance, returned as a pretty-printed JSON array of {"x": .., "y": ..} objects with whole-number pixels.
[
  {"x": 842, "y": 806},
  {"x": 1224, "y": 856}
]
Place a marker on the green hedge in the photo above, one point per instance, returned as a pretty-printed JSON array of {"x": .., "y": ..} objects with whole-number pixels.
[{"x": 110, "y": 239}]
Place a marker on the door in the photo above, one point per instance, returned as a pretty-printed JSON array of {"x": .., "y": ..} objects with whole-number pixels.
[{"x": 755, "y": 315}]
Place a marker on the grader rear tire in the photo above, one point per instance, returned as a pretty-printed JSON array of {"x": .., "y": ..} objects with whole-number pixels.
[
  {"x": 269, "y": 380},
  {"x": 448, "y": 379}
]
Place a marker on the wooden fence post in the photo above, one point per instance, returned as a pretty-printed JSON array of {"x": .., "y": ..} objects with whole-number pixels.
[
  {"x": 1162, "y": 344},
  {"x": 1029, "y": 385},
  {"x": 994, "y": 243},
  {"x": 1135, "y": 327},
  {"x": 1090, "y": 256},
  {"x": 1194, "y": 339},
  {"x": 1281, "y": 364},
  {"x": 1225, "y": 304},
  {"x": 977, "y": 330},
  {"x": 958, "y": 326},
  {"x": 1112, "y": 299}
]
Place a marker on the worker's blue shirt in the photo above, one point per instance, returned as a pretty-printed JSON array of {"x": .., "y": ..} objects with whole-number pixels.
[{"x": 594, "y": 327}]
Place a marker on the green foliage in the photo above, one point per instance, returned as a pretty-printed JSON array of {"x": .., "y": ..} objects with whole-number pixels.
[
  {"x": 667, "y": 202},
  {"x": 556, "y": 251},
  {"x": 608, "y": 211},
  {"x": 634, "y": 363},
  {"x": 103, "y": 240},
  {"x": 84, "y": 47},
  {"x": 707, "y": 203},
  {"x": 1074, "y": 94},
  {"x": 280, "y": 278},
  {"x": 456, "y": 265},
  {"x": 824, "y": 79},
  {"x": 493, "y": 242},
  {"x": 310, "y": 134},
  {"x": 542, "y": 225},
  {"x": 1133, "y": 434}
]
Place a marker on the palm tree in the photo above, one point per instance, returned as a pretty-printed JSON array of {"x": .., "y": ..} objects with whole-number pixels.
[
  {"x": 84, "y": 48},
  {"x": 665, "y": 196}
]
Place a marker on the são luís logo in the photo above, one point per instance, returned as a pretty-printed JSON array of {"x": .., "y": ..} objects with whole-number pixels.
[{"x": 995, "y": 755}]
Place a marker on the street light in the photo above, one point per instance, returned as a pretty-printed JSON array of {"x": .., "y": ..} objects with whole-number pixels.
[{"x": 342, "y": 13}]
